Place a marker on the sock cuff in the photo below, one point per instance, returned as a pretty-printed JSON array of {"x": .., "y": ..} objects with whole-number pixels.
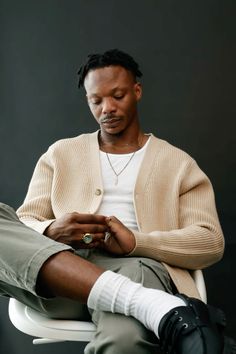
[
  {"x": 98, "y": 287},
  {"x": 112, "y": 292},
  {"x": 129, "y": 298}
]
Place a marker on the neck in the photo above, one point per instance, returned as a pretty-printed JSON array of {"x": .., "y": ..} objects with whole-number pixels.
[{"x": 121, "y": 144}]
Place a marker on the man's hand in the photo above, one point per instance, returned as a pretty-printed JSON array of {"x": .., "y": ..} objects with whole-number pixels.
[
  {"x": 71, "y": 227},
  {"x": 122, "y": 240}
]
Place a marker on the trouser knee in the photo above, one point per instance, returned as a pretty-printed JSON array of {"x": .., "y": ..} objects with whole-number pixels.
[
  {"x": 149, "y": 272},
  {"x": 118, "y": 334},
  {"x": 63, "y": 308}
]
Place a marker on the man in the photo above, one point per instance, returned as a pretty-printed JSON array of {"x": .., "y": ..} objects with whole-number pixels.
[{"x": 128, "y": 203}]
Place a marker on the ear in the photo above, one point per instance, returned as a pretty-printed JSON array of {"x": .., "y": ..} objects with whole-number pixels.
[{"x": 138, "y": 90}]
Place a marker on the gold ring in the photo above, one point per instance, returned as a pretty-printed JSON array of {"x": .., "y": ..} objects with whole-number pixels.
[{"x": 87, "y": 238}]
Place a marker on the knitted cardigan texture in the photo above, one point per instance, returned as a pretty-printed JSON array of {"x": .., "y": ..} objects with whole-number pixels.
[{"x": 173, "y": 200}]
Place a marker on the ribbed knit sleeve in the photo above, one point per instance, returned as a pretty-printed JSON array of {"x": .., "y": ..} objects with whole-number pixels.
[
  {"x": 66, "y": 179},
  {"x": 36, "y": 212},
  {"x": 192, "y": 238}
]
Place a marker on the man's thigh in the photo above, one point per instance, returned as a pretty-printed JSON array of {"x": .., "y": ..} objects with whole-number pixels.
[
  {"x": 148, "y": 272},
  {"x": 118, "y": 334}
]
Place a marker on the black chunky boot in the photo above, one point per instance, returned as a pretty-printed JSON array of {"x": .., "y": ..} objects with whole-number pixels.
[{"x": 194, "y": 329}]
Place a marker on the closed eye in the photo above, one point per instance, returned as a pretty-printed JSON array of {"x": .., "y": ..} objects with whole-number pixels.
[
  {"x": 95, "y": 102},
  {"x": 119, "y": 97}
]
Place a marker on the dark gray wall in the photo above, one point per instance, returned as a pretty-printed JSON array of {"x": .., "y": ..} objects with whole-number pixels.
[{"x": 187, "y": 53}]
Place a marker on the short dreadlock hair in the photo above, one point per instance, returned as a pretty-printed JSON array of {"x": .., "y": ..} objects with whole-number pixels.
[{"x": 110, "y": 57}]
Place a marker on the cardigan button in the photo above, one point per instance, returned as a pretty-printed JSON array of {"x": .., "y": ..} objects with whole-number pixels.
[{"x": 98, "y": 191}]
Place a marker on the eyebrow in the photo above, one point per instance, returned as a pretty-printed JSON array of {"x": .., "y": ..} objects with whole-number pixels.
[{"x": 115, "y": 89}]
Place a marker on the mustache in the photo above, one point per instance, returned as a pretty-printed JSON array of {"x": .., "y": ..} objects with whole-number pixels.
[{"x": 108, "y": 117}]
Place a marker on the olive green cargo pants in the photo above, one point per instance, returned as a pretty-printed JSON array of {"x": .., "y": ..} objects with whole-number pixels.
[{"x": 22, "y": 253}]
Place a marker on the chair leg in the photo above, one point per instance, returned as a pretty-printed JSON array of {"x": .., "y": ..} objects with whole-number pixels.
[{"x": 46, "y": 340}]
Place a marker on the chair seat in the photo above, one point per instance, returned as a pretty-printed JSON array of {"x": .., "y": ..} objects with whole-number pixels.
[
  {"x": 50, "y": 330},
  {"x": 34, "y": 323}
]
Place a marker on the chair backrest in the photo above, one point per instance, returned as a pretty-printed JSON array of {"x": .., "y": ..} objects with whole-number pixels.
[{"x": 49, "y": 330}]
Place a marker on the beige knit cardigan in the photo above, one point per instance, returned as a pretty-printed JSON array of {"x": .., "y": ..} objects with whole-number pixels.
[{"x": 173, "y": 200}]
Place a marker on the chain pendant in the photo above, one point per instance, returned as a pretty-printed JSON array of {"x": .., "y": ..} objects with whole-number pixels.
[{"x": 115, "y": 173}]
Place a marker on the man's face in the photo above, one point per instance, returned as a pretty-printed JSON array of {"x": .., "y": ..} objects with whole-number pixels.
[{"x": 112, "y": 95}]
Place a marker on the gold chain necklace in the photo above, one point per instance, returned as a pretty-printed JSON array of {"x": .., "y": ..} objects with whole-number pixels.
[{"x": 123, "y": 168}]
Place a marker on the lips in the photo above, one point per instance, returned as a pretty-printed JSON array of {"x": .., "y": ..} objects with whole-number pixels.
[{"x": 108, "y": 121}]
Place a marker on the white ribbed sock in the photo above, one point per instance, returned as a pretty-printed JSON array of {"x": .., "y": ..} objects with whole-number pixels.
[{"x": 118, "y": 294}]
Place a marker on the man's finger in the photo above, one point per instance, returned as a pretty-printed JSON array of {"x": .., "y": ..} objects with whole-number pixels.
[{"x": 90, "y": 219}]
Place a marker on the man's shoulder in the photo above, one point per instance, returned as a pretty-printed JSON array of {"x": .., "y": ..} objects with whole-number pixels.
[
  {"x": 165, "y": 148},
  {"x": 75, "y": 142}
]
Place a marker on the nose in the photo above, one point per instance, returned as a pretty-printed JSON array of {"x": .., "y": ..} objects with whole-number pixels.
[{"x": 108, "y": 106}]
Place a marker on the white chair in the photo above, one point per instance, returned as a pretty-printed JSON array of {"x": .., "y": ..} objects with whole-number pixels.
[{"x": 49, "y": 330}]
